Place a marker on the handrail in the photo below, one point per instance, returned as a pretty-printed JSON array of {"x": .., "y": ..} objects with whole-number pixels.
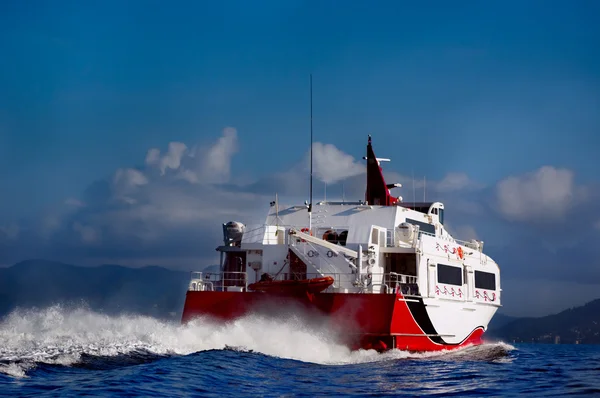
[
  {"x": 391, "y": 282},
  {"x": 217, "y": 281}
]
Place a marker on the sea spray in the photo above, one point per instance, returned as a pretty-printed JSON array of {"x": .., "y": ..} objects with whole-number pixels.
[{"x": 63, "y": 336}]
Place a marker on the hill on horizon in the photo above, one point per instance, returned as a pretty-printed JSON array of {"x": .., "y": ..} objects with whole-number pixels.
[
  {"x": 111, "y": 289},
  {"x": 578, "y": 325}
]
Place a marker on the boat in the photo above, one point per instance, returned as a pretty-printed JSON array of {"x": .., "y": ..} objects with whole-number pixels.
[
  {"x": 291, "y": 287},
  {"x": 383, "y": 271}
]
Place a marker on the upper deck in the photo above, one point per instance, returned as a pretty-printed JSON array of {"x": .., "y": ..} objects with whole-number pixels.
[
  {"x": 378, "y": 245},
  {"x": 352, "y": 222}
]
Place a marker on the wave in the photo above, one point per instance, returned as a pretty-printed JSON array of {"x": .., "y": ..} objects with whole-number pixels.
[{"x": 65, "y": 336}]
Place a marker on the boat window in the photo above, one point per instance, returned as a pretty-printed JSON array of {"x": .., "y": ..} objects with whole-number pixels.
[
  {"x": 342, "y": 237},
  {"x": 423, "y": 227},
  {"x": 401, "y": 263},
  {"x": 330, "y": 236},
  {"x": 449, "y": 275},
  {"x": 434, "y": 210},
  {"x": 441, "y": 213},
  {"x": 374, "y": 236},
  {"x": 485, "y": 280}
]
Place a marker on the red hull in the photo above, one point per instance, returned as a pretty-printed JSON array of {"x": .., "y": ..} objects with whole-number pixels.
[{"x": 379, "y": 321}]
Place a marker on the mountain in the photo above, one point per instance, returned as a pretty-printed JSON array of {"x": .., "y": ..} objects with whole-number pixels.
[
  {"x": 111, "y": 289},
  {"x": 575, "y": 325},
  {"x": 500, "y": 320}
]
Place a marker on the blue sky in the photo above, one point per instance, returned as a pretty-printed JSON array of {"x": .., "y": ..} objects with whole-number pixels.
[{"x": 486, "y": 91}]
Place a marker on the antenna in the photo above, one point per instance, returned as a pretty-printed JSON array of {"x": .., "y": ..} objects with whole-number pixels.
[
  {"x": 414, "y": 194},
  {"x": 424, "y": 186},
  {"x": 311, "y": 160},
  {"x": 276, "y": 212}
]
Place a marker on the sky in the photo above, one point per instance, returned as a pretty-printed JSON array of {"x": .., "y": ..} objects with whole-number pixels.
[{"x": 129, "y": 132}]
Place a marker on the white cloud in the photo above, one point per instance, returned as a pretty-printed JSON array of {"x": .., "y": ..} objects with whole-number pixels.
[
  {"x": 153, "y": 156},
  {"x": 129, "y": 178},
  {"x": 198, "y": 165},
  {"x": 126, "y": 181},
  {"x": 187, "y": 175},
  {"x": 466, "y": 232},
  {"x": 546, "y": 194},
  {"x": 215, "y": 163},
  {"x": 146, "y": 213},
  {"x": 454, "y": 182},
  {"x": 461, "y": 232},
  {"x": 331, "y": 165},
  {"x": 168, "y": 210},
  {"x": 171, "y": 160},
  {"x": 180, "y": 213}
]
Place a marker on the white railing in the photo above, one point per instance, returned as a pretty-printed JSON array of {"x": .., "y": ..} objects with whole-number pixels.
[
  {"x": 217, "y": 281},
  {"x": 406, "y": 284},
  {"x": 199, "y": 284},
  {"x": 391, "y": 282},
  {"x": 339, "y": 279}
]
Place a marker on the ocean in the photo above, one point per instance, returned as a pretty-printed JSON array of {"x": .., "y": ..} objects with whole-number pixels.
[{"x": 74, "y": 351}]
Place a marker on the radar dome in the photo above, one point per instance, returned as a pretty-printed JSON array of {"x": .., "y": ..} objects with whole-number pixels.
[
  {"x": 405, "y": 232},
  {"x": 233, "y": 232}
]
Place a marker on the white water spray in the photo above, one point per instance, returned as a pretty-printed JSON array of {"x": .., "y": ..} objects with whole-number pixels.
[{"x": 61, "y": 336}]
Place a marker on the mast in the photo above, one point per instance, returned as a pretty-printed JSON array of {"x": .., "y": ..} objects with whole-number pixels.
[
  {"x": 378, "y": 192},
  {"x": 311, "y": 161}
]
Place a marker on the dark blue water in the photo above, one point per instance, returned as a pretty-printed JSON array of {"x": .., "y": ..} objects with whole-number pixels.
[{"x": 58, "y": 352}]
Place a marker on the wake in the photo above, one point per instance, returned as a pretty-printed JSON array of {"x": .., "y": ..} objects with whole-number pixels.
[{"x": 74, "y": 337}]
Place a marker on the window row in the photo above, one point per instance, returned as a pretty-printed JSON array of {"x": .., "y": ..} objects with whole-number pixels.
[{"x": 451, "y": 275}]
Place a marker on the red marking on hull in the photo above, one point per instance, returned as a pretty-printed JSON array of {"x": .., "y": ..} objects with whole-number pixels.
[{"x": 378, "y": 321}]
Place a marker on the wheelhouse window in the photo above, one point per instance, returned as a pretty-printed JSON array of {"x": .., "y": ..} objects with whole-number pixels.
[
  {"x": 423, "y": 227},
  {"x": 485, "y": 280},
  {"x": 449, "y": 275},
  {"x": 331, "y": 236},
  {"x": 334, "y": 235},
  {"x": 441, "y": 216},
  {"x": 342, "y": 237}
]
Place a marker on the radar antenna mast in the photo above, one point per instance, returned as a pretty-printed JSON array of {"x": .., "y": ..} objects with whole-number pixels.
[{"x": 311, "y": 161}]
